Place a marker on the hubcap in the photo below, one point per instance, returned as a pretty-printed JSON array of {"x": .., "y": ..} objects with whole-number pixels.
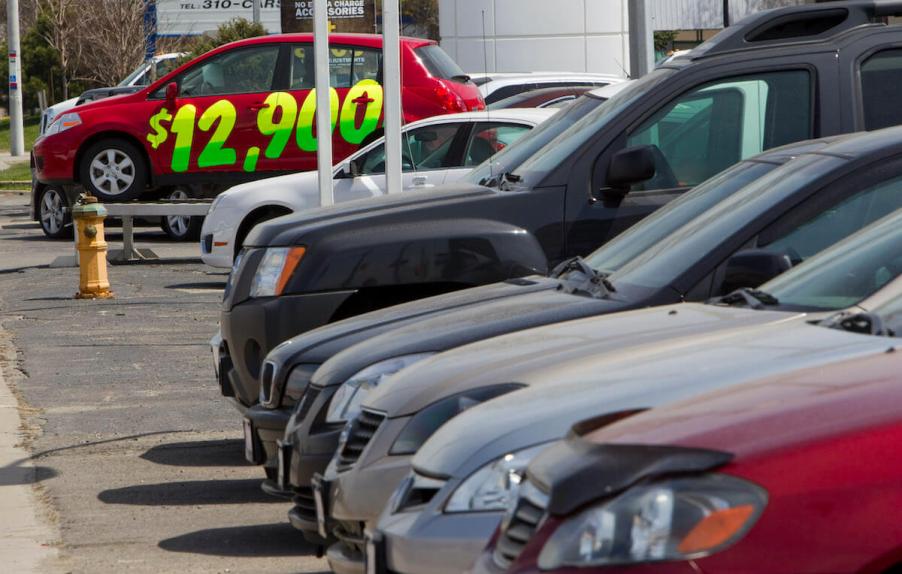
[
  {"x": 178, "y": 223},
  {"x": 112, "y": 171},
  {"x": 52, "y": 216}
]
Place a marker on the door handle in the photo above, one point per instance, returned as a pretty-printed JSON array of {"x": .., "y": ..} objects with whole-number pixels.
[{"x": 420, "y": 180}]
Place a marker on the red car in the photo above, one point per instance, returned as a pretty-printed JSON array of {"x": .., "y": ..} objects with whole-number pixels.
[
  {"x": 243, "y": 111},
  {"x": 799, "y": 473}
]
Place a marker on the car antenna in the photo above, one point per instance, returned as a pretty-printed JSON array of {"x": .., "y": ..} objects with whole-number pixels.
[{"x": 485, "y": 70}]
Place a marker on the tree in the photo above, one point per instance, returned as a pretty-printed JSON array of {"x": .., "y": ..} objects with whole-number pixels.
[
  {"x": 114, "y": 32},
  {"x": 65, "y": 24},
  {"x": 236, "y": 29}
]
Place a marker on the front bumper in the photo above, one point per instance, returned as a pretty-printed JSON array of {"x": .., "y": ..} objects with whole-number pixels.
[
  {"x": 54, "y": 157},
  {"x": 269, "y": 426},
  {"x": 437, "y": 543},
  {"x": 217, "y": 246},
  {"x": 252, "y": 328}
]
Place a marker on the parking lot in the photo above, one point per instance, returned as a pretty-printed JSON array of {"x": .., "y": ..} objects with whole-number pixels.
[{"x": 137, "y": 459}]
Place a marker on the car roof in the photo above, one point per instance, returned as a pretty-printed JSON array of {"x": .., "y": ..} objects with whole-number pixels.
[
  {"x": 369, "y": 40},
  {"x": 813, "y": 404},
  {"x": 532, "y": 115},
  {"x": 489, "y": 83},
  {"x": 610, "y": 90}
]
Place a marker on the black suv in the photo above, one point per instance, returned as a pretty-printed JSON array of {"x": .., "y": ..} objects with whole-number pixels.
[{"x": 774, "y": 78}]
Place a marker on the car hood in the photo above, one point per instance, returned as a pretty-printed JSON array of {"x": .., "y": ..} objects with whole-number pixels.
[
  {"x": 641, "y": 377},
  {"x": 806, "y": 406},
  {"x": 321, "y": 344},
  {"x": 299, "y": 187},
  {"x": 290, "y": 229},
  {"x": 527, "y": 356},
  {"x": 538, "y": 301}
]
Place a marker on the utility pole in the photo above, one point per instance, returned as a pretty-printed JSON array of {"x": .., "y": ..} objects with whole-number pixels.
[
  {"x": 642, "y": 48},
  {"x": 257, "y": 11},
  {"x": 16, "y": 128},
  {"x": 391, "y": 82},
  {"x": 323, "y": 101}
]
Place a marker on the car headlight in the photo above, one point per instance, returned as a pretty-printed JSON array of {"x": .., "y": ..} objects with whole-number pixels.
[
  {"x": 63, "y": 122},
  {"x": 677, "y": 519},
  {"x": 424, "y": 424},
  {"x": 494, "y": 486},
  {"x": 275, "y": 270},
  {"x": 346, "y": 402}
]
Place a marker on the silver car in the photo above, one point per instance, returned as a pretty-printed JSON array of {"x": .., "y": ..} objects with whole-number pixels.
[{"x": 562, "y": 362}]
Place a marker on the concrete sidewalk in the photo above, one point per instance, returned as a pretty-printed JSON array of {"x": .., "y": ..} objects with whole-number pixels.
[{"x": 26, "y": 541}]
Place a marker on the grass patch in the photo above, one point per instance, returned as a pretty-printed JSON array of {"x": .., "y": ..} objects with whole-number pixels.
[
  {"x": 19, "y": 172},
  {"x": 32, "y": 127}
]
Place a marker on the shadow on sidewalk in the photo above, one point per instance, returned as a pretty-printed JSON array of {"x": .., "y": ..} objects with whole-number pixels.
[
  {"x": 257, "y": 540},
  {"x": 18, "y": 475},
  {"x": 190, "y": 493},
  {"x": 226, "y": 452}
]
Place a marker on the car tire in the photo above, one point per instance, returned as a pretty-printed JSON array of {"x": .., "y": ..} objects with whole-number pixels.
[
  {"x": 113, "y": 170},
  {"x": 56, "y": 222},
  {"x": 180, "y": 227}
]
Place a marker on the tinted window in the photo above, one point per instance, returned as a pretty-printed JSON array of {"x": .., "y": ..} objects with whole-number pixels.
[
  {"x": 242, "y": 71},
  {"x": 847, "y": 272},
  {"x": 488, "y": 139},
  {"x": 424, "y": 148},
  {"x": 881, "y": 76},
  {"x": 438, "y": 62},
  {"x": 715, "y": 126},
  {"x": 505, "y": 92}
]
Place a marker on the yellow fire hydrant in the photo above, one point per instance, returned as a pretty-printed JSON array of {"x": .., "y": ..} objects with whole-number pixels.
[{"x": 88, "y": 216}]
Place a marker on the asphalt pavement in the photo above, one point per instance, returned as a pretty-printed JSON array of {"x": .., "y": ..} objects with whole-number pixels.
[{"x": 135, "y": 460}]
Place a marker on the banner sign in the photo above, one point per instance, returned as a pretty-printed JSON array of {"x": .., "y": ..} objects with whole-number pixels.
[
  {"x": 344, "y": 16},
  {"x": 194, "y": 17}
]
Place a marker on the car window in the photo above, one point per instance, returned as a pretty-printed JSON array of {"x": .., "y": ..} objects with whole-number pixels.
[
  {"x": 880, "y": 77},
  {"x": 423, "y": 148},
  {"x": 487, "y": 139},
  {"x": 847, "y": 272},
  {"x": 891, "y": 313},
  {"x": 349, "y": 66},
  {"x": 438, "y": 63},
  {"x": 508, "y": 91},
  {"x": 833, "y": 222},
  {"x": 715, "y": 126},
  {"x": 242, "y": 71}
]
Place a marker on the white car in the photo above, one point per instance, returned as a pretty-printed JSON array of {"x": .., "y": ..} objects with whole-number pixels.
[
  {"x": 141, "y": 76},
  {"x": 495, "y": 87},
  {"x": 437, "y": 150}
]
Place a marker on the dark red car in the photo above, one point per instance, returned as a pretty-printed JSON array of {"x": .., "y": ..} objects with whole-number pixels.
[
  {"x": 243, "y": 111},
  {"x": 799, "y": 474}
]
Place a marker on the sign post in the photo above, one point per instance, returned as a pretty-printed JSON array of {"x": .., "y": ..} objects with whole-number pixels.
[
  {"x": 642, "y": 48},
  {"x": 323, "y": 105},
  {"x": 391, "y": 82},
  {"x": 16, "y": 127}
]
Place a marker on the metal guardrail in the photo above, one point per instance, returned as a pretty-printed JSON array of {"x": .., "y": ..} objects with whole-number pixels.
[{"x": 128, "y": 211}]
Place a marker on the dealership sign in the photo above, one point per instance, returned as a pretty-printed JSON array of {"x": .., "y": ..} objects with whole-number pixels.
[
  {"x": 193, "y": 17},
  {"x": 344, "y": 15}
]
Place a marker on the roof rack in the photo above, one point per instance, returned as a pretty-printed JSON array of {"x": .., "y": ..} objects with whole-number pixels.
[{"x": 797, "y": 24}]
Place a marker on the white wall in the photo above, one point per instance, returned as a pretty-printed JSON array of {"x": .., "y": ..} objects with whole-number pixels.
[{"x": 536, "y": 35}]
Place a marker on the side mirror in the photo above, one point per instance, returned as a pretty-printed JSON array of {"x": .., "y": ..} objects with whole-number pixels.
[
  {"x": 172, "y": 93},
  {"x": 630, "y": 166},
  {"x": 752, "y": 267}
]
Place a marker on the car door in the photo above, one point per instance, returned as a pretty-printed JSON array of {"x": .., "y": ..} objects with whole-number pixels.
[
  {"x": 213, "y": 128},
  {"x": 356, "y": 100},
  {"x": 485, "y": 140},
  {"x": 694, "y": 136},
  {"x": 427, "y": 152}
]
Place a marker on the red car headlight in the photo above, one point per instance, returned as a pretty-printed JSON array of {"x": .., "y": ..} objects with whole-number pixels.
[{"x": 676, "y": 519}]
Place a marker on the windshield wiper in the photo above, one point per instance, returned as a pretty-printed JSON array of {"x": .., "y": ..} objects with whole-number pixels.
[
  {"x": 864, "y": 323},
  {"x": 579, "y": 277},
  {"x": 507, "y": 179},
  {"x": 751, "y": 298}
]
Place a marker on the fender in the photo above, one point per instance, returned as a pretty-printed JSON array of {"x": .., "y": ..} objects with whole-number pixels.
[{"x": 462, "y": 251}]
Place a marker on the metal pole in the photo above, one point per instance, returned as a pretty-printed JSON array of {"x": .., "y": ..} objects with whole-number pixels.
[
  {"x": 323, "y": 106},
  {"x": 391, "y": 82},
  {"x": 726, "y": 13},
  {"x": 16, "y": 128},
  {"x": 257, "y": 11},
  {"x": 642, "y": 48}
]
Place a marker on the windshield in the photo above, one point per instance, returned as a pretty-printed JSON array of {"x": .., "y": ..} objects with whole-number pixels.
[
  {"x": 891, "y": 314},
  {"x": 513, "y": 155},
  {"x": 643, "y": 236},
  {"x": 131, "y": 77},
  {"x": 567, "y": 144},
  {"x": 438, "y": 62},
  {"x": 663, "y": 262},
  {"x": 846, "y": 273}
]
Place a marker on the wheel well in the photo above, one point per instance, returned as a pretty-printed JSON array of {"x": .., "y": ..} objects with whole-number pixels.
[
  {"x": 111, "y": 135},
  {"x": 372, "y": 298},
  {"x": 255, "y": 217}
]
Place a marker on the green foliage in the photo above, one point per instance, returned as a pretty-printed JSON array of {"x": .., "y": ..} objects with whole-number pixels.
[
  {"x": 32, "y": 126},
  {"x": 664, "y": 41},
  {"x": 231, "y": 31}
]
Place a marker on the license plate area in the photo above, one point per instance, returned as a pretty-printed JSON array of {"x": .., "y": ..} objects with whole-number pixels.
[
  {"x": 320, "y": 492},
  {"x": 284, "y": 475}
]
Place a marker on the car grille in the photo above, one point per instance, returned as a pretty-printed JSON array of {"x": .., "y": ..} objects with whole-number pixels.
[
  {"x": 267, "y": 381},
  {"x": 305, "y": 503},
  {"x": 350, "y": 535},
  {"x": 306, "y": 402},
  {"x": 361, "y": 431},
  {"x": 520, "y": 525},
  {"x": 208, "y": 243}
]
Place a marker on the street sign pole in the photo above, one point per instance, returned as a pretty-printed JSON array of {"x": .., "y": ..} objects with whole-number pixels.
[
  {"x": 323, "y": 106},
  {"x": 257, "y": 11},
  {"x": 16, "y": 128},
  {"x": 391, "y": 82},
  {"x": 642, "y": 48}
]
